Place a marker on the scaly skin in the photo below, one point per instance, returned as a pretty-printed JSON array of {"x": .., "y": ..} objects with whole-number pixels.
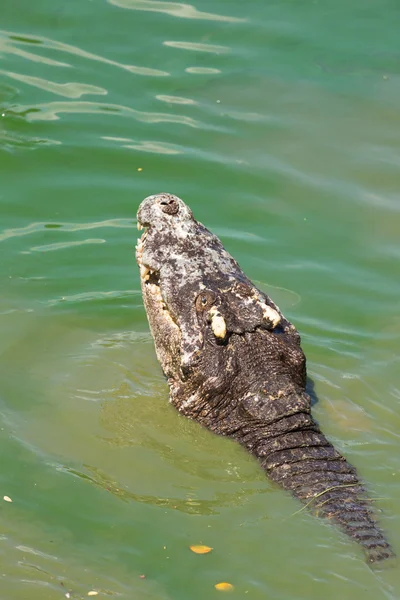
[{"x": 234, "y": 364}]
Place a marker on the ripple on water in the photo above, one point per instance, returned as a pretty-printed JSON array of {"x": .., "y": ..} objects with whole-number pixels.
[
  {"x": 174, "y": 9},
  {"x": 99, "y": 295},
  {"x": 64, "y": 245},
  {"x": 175, "y": 99},
  {"x": 198, "y": 47},
  {"x": 153, "y": 146},
  {"x": 10, "y": 41},
  {"x": 40, "y": 226},
  {"x": 43, "y": 573},
  {"x": 10, "y": 141},
  {"x": 202, "y": 70},
  {"x": 282, "y": 296},
  {"x": 68, "y": 90},
  {"x": 51, "y": 111}
]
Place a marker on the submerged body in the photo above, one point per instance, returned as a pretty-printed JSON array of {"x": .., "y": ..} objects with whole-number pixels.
[{"x": 235, "y": 365}]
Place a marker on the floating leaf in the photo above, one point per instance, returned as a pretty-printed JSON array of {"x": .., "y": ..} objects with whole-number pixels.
[
  {"x": 200, "y": 549},
  {"x": 223, "y": 586}
]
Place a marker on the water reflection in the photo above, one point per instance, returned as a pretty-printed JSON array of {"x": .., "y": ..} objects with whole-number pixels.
[
  {"x": 154, "y": 147},
  {"x": 47, "y": 43},
  {"x": 191, "y": 506},
  {"x": 131, "y": 421},
  {"x": 174, "y": 9},
  {"x": 51, "y": 111},
  {"x": 197, "y": 47},
  {"x": 68, "y": 90},
  {"x": 34, "y": 228}
]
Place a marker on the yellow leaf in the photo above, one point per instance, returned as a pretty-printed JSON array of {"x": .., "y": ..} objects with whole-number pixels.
[
  {"x": 199, "y": 549},
  {"x": 224, "y": 586}
]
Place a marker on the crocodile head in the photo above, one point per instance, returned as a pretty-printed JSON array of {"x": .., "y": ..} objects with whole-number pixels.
[{"x": 197, "y": 299}]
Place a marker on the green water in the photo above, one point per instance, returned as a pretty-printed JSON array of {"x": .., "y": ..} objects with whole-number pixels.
[{"x": 279, "y": 124}]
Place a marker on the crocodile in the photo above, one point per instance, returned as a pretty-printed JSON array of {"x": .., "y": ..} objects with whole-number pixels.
[{"x": 234, "y": 364}]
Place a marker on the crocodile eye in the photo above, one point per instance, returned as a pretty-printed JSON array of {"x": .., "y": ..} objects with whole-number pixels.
[
  {"x": 169, "y": 205},
  {"x": 205, "y": 300}
]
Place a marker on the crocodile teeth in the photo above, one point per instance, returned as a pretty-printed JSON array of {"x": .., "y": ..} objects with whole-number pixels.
[
  {"x": 144, "y": 272},
  {"x": 140, "y": 246},
  {"x": 271, "y": 315},
  {"x": 218, "y": 324}
]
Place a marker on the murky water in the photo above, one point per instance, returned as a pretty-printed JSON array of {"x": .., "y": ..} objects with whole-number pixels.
[{"x": 279, "y": 125}]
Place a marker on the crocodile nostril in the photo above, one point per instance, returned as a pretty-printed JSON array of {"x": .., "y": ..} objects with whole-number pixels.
[{"x": 169, "y": 206}]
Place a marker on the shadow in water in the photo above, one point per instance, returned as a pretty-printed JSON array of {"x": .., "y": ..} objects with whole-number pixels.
[
  {"x": 189, "y": 506},
  {"x": 310, "y": 388}
]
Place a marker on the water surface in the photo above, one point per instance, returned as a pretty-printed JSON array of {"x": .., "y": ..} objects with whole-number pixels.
[{"x": 278, "y": 123}]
